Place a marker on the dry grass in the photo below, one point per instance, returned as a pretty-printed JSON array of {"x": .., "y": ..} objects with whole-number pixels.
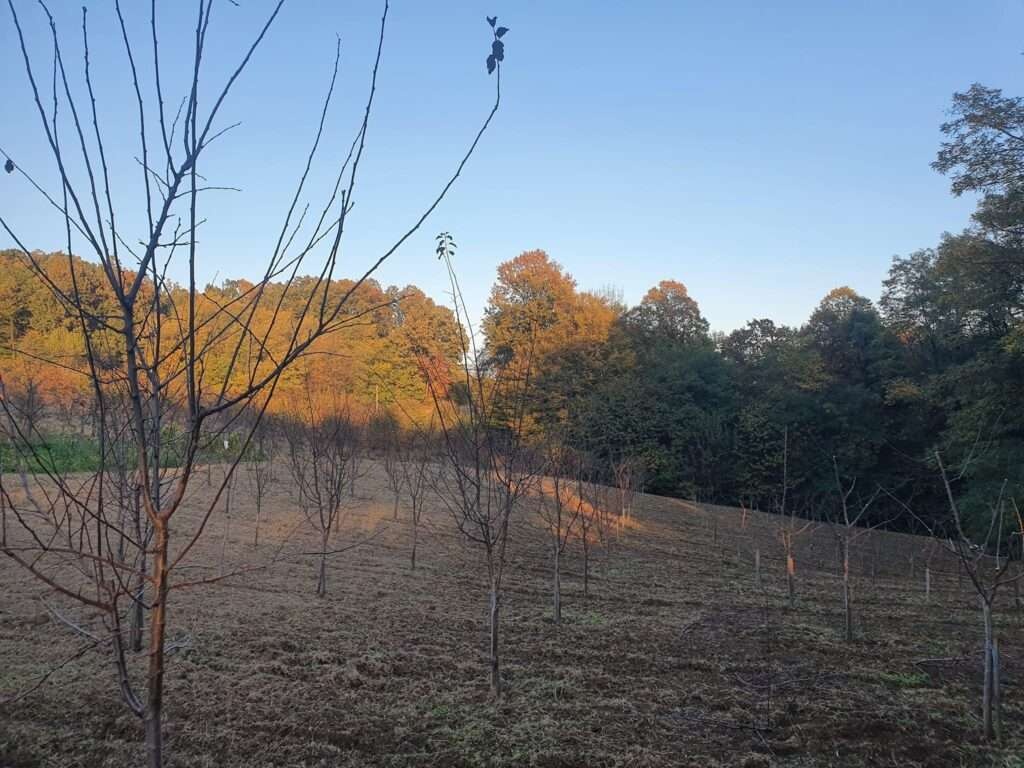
[{"x": 675, "y": 659}]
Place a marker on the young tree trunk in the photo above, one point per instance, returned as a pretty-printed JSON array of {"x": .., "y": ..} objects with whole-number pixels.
[
  {"x": 256, "y": 538},
  {"x": 988, "y": 699},
  {"x": 847, "y": 608},
  {"x": 321, "y": 582},
  {"x": 135, "y": 626},
  {"x": 790, "y": 580},
  {"x": 158, "y": 627},
  {"x": 558, "y": 585},
  {"x": 224, "y": 541},
  {"x": 997, "y": 699},
  {"x": 495, "y": 668},
  {"x": 395, "y": 512},
  {"x": 927, "y": 584},
  {"x": 121, "y": 665},
  {"x": 757, "y": 568},
  {"x": 415, "y": 537}
]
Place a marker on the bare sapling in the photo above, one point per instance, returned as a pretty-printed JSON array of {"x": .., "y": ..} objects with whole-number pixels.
[
  {"x": 143, "y": 339},
  {"x": 984, "y": 553},
  {"x": 416, "y": 468},
  {"x": 486, "y": 465},
  {"x": 847, "y": 531},
  {"x": 228, "y": 487},
  {"x": 394, "y": 455},
  {"x": 357, "y": 465},
  {"x": 789, "y": 526},
  {"x": 320, "y": 448},
  {"x": 262, "y": 472},
  {"x": 789, "y": 531},
  {"x": 560, "y": 508},
  {"x": 593, "y": 503},
  {"x": 628, "y": 477}
]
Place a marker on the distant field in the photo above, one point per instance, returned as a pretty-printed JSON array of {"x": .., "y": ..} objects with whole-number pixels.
[{"x": 675, "y": 659}]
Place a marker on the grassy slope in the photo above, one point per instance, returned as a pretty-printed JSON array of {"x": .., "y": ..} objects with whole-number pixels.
[{"x": 675, "y": 659}]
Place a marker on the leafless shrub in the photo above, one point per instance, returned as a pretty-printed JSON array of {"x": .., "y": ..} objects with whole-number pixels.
[
  {"x": 599, "y": 520},
  {"x": 320, "y": 449},
  {"x": 420, "y": 451},
  {"x": 561, "y": 506},
  {"x": 628, "y": 475},
  {"x": 262, "y": 473}
]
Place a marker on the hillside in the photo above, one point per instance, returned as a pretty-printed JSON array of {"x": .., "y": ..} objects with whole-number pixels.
[{"x": 674, "y": 658}]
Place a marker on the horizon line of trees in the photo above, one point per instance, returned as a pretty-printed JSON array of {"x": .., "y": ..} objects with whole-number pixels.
[
  {"x": 700, "y": 415},
  {"x": 391, "y": 335}
]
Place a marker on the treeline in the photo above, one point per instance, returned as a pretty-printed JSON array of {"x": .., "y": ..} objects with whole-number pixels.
[
  {"x": 768, "y": 411},
  {"x": 373, "y": 362}
]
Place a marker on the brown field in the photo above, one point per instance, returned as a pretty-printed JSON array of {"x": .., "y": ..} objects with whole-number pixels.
[{"x": 675, "y": 659}]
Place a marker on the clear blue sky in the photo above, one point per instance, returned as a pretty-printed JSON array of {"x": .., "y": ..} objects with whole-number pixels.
[{"x": 762, "y": 153}]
